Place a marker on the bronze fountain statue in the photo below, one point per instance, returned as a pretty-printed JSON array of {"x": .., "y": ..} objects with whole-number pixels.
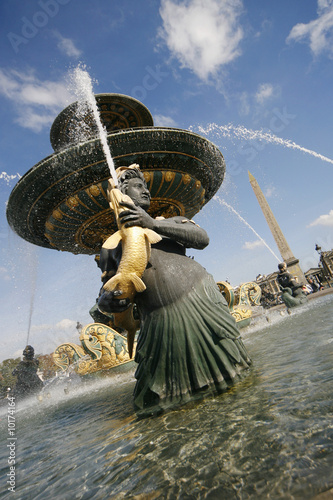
[
  {"x": 28, "y": 381},
  {"x": 188, "y": 341},
  {"x": 292, "y": 291}
]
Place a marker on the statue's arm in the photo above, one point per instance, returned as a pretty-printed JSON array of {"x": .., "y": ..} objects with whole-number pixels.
[
  {"x": 183, "y": 231},
  {"x": 179, "y": 228}
]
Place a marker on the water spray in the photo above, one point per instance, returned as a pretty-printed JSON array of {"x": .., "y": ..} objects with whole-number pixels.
[
  {"x": 240, "y": 132},
  {"x": 8, "y": 178},
  {"x": 231, "y": 209},
  {"x": 32, "y": 266},
  {"x": 84, "y": 90}
]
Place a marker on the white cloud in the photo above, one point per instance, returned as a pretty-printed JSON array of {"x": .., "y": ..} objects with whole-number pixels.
[
  {"x": 18, "y": 354},
  {"x": 34, "y": 120},
  {"x": 164, "y": 121},
  {"x": 252, "y": 245},
  {"x": 67, "y": 46},
  {"x": 203, "y": 35},
  {"x": 66, "y": 324},
  {"x": 36, "y": 102},
  {"x": 319, "y": 32},
  {"x": 265, "y": 91},
  {"x": 323, "y": 220},
  {"x": 46, "y": 337},
  {"x": 248, "y": 102}
]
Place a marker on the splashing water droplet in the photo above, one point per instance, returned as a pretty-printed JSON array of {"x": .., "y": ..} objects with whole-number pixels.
[
  {"x": 84, "y": 91},
  {"x": 8, "y": 178}
]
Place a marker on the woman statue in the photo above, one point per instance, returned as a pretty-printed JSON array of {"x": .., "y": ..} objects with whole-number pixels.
[{"x": 188, "y": 341}]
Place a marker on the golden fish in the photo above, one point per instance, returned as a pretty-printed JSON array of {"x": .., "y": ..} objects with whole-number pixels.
[{"x": 136, "y": 243}]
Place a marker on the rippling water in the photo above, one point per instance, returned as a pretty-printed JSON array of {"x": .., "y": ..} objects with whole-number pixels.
[{"x": 271, "y": 436}]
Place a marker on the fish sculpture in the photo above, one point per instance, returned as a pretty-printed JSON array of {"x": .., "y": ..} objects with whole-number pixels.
[{"x": 136, "y": 243}]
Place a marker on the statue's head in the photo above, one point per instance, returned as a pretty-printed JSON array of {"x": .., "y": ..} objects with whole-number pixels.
[
  {"x": 282, "y": 266},
  {"x": 29, "y": 352},
  {"x": 131, "y": 181}
]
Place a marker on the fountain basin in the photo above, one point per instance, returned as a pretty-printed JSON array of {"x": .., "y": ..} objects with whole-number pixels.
[
  {"x": 270, "y": 436},
  {"x": 61, "y": 202}
]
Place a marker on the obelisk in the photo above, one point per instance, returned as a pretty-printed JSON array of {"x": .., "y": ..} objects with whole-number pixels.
[{"x": 282, "y": 244}]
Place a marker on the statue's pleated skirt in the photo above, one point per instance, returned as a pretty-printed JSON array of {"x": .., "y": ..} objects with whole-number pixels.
[{"x": 188, "y": 346}]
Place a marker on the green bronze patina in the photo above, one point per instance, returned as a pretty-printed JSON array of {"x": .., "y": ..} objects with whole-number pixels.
[
  {"x": 293, "y": 300},
  {"x": 61, "y": 202}
]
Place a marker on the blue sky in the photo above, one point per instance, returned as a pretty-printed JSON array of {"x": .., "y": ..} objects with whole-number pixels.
[{"x": 254, "y": 77}]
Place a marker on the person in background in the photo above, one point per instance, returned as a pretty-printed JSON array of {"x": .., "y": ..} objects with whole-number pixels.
[{"x": 314, "y": 285}]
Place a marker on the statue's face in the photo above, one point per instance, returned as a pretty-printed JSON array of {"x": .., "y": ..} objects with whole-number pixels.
[{"x": 138, "y": 191}]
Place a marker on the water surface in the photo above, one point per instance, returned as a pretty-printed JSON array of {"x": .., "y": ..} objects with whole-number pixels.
[{"x": 271, "y": 436}]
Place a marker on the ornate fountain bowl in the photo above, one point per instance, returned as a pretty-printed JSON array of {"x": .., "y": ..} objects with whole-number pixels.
[
  {"x": 76, "y": 123},
  {"x": 62, "y": 203}
]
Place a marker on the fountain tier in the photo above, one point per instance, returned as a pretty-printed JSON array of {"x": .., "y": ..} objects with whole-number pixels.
[{"x": 61, "y": 202}]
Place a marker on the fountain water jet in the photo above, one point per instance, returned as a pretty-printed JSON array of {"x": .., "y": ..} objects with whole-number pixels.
[
  {"x": 33, "y": 263},
  {"x": 241, "y": 132},
  {"x": 231, "y": 209},
  {"x": 7, "y": 178},
  {"x": 84, "y": 90}
]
